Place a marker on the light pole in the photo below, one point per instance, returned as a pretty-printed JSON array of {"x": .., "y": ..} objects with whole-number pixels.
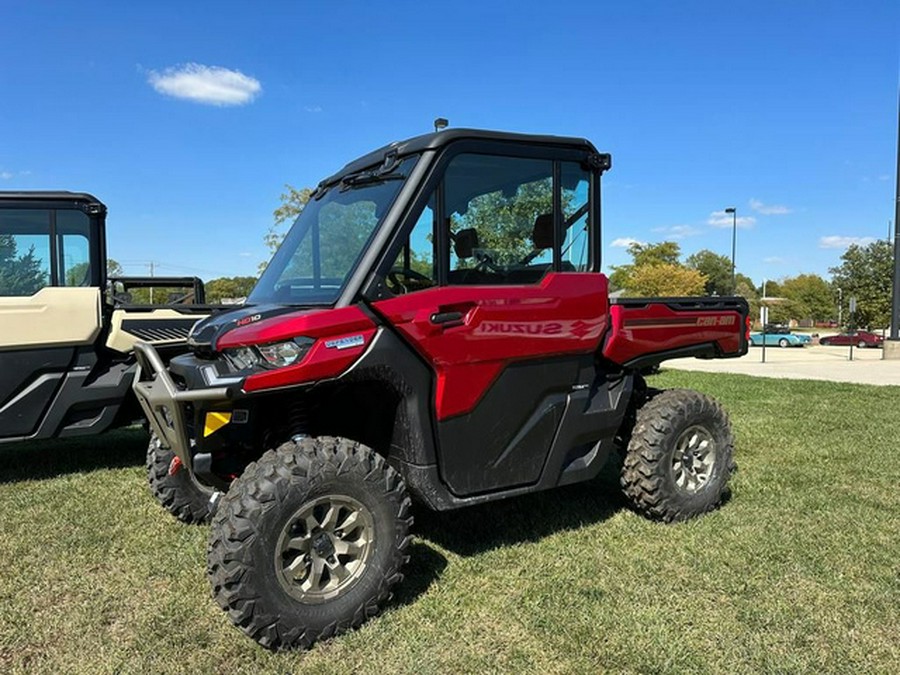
[
  {"x": 892, "y": 344},
  {"x": 733, "y": 212}
]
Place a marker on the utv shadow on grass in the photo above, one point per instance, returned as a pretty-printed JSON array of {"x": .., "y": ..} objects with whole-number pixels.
[
  {"x": 39, "y": 460},
  {"x": 425, "y": 566},
  {"x": 476, "y": 529}
]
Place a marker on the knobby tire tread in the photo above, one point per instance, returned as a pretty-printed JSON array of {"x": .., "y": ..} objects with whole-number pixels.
[
  {"x": 644, "y": 476},
  {"x": 296, "y": 465},
  {"x": 180, "y": 495}
]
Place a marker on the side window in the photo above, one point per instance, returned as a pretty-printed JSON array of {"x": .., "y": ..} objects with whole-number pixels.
[
  {"x": 24, "y": 251},
  {"x": 500, "y": 216},
  {"x": 73, "y": 248},
  {"x": 414, "y": 269},
  {"x": 576, "y": 213}
]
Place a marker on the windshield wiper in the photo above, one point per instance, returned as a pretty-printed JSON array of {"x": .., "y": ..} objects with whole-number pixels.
[{"x": 368, "y": 178}]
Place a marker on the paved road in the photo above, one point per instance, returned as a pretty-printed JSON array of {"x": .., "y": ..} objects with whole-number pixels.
[{"x": 804, "y": 363}]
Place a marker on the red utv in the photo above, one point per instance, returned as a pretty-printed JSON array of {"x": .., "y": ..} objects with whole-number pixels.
[{"x": 435, "y": 327}]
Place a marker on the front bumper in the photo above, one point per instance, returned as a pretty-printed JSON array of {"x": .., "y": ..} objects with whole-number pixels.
[{"x": 164, "y": 403}]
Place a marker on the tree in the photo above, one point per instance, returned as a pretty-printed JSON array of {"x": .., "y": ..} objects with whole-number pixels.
[
  {"x": 866, "y": 272},
  {"x": 811, "y": 297},
  {"x": 771, "y": 287},
  {"x": 744, "y": 288},
  {"x": 77, "y": 274},
  {"x": 664, "y": 253},
  {"x": 228, "y": 287},
  {"x": 19, "y": 274},
  {"x": 665, "y": 280},
  {"x": 716, "y": 268},
  {"x": 293, "y": 201},
  {"x": 114, "y": 269},
  {"x": 504, "y": 223}
]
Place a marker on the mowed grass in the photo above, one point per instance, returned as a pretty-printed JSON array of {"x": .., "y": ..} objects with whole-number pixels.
[{"x": 798, "y": 572}]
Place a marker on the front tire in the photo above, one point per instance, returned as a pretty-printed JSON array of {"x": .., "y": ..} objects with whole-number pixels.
[
  {"x": 783, "y": 342},
  {"x": 179, "y": 494},
  {"x": 679, "y": 458},
  {"x": 309, "y": 541},
  {"x": 862, "y": 344}
]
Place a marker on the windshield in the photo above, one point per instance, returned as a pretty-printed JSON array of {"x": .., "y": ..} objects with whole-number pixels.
[{"x": 322, "y": 249}]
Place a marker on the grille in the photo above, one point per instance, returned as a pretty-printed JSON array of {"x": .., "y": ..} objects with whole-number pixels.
[{"x": 165, "y": 330}]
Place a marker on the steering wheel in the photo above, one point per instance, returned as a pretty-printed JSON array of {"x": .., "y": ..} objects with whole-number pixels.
[
  {"x": 397, "y": 286},
  {"x": 484, "y": 262}
]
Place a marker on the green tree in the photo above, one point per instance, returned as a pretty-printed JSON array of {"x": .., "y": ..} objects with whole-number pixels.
[
  {"x": 76, "y": 275},
  {"x": 772, "y": 289},
  {"x": 665, "y": 280},
  {"x": 781, "y": 309},
  {"x": 716, "y": 268},
  {"x": 663, "y": 253},
  {"x": 505, "y": 223},
  {"x": 811, "y": 297},
  {"x": 114, "y": 269},
  {"x": 745, "y": 289},
  {"x": 866, "y": 272},
  {"x": 228, "y": 287},
  {"x": 20, "y": 274},
  {"x": 293, "y": 201}
]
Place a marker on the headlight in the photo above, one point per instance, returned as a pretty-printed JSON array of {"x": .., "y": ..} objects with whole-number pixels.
[
  {"x": 273, "y": 355},
  {"x": 242, "y": 358},
  {"x": 281, "y": 354}
]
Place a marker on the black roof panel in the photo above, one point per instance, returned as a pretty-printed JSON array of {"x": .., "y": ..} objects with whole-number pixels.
[
  {"x": 441, "y": 138},
  {"x": 47, "y": 196}
]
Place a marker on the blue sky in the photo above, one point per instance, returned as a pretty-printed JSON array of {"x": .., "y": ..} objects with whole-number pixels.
[{"x": 786, "y": 110}]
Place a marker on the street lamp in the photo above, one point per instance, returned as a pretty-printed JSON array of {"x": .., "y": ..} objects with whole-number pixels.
[{"x": 733, "y": 212}]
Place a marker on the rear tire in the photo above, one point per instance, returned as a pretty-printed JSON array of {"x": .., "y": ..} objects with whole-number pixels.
[
  {"x": 679, "y": 458},
  {"x": 181, "y": 494},
  {"x": 309, "y": 541}
]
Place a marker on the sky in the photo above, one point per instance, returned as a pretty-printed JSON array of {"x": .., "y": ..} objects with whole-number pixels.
[{"x": 187, "y": 119}]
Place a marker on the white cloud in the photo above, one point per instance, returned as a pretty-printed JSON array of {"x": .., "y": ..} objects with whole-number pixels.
[
  {"x": 835, "y": 241},
  {"x": 769, "y": 209},
  {"x": 677, "y": 231},
  {"x": 884, "y": 176},
  {"x": 313, "y": 108},
  {"x": 211, "y": 85},
  {"x": 245, "y": 254},
  {"x": 625, "y": 242},
  {"x": 773, "y": 260},
  {"x": 722, "y": 219},
  {"x": 6, "y": 175}
]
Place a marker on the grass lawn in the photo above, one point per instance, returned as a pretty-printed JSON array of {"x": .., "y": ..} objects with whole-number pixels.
[{"x": 798, "y": 572}]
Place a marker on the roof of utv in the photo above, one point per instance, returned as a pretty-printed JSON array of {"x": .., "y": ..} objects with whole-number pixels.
[
  {"x": 439, "y": 139},
  {"x": 47, "y": 196}
]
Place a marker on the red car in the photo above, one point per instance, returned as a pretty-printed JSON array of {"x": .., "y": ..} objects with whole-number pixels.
[{"x": 860, "y": 338}]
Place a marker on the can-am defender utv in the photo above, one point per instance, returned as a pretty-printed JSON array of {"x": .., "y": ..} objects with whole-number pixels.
[{"x": 435, "y": 327}]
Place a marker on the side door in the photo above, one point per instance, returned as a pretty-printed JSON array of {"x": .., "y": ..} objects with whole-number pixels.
[
  {"x": 49, "y": 306},
  {"x": 495, "y": 284}
]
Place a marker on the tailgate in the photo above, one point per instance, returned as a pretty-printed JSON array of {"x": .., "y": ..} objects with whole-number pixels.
[{"x": 646, "y": 331}]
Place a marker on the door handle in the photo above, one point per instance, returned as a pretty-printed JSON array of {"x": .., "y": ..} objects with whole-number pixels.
[{"x": 447, "y": 319}]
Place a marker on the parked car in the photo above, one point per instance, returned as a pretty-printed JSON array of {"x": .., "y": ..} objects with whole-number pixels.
[
  {"x": 778, "y": 339},
  {"x": 860, "y": 338}
]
